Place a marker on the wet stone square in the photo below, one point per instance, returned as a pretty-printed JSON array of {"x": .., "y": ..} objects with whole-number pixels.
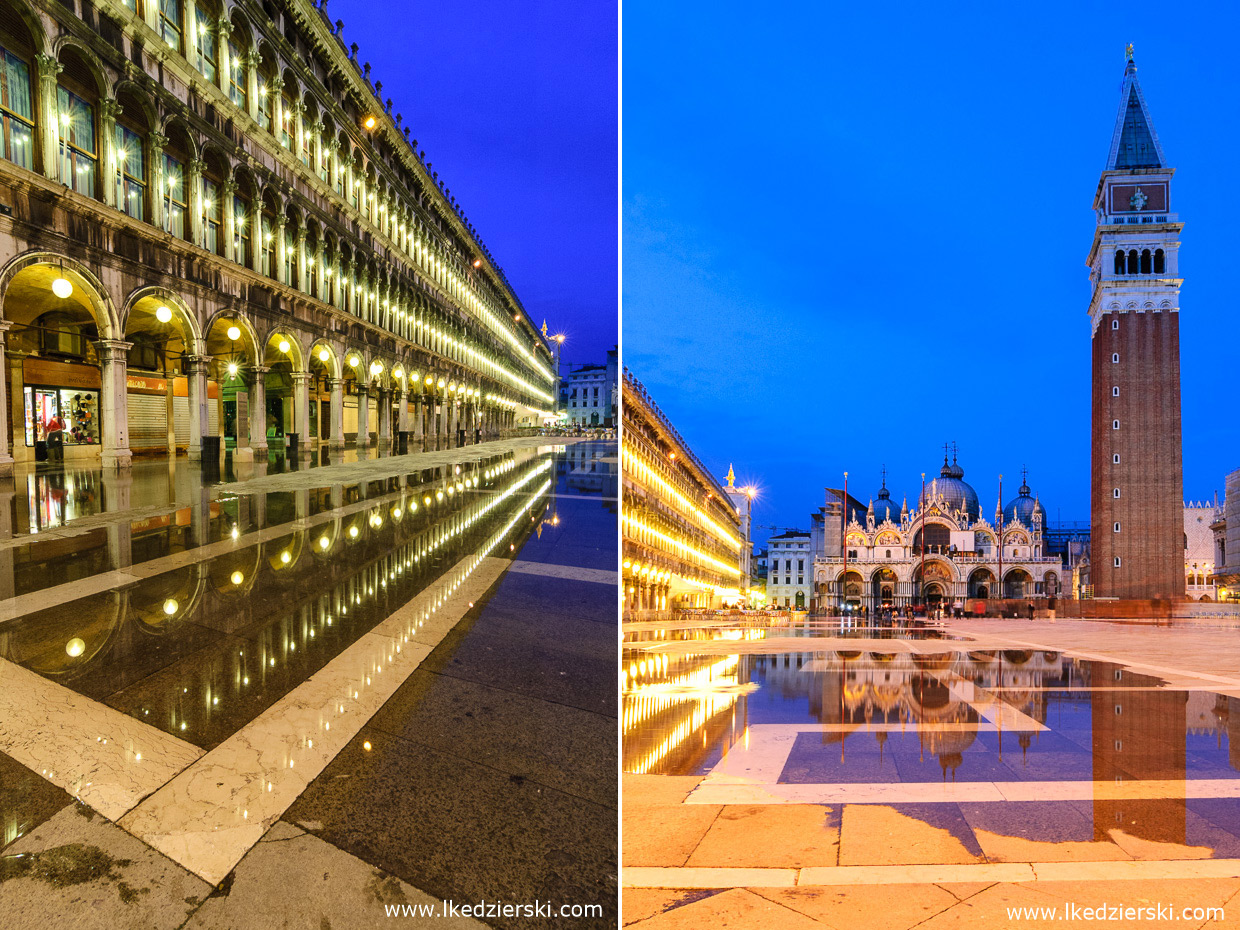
[{"x": 826, "y": 769}]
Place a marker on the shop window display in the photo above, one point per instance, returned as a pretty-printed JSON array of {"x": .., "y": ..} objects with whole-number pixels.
[{"x": 73, "y": 410}]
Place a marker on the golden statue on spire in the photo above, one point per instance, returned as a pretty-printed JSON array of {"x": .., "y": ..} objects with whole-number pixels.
[
  {"x": 731, "y": 476},
  {"x": 544, "y": 329},
  {"x": 1128, "y": 52}
]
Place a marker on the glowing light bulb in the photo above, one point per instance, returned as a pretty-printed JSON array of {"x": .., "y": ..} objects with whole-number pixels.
[
  {"x": 75, "y": 647},
  {"x": 163, "y": 314},
  {"x": 234, "y": 333},
  {"x": 62, "y": 288},
  {"x": 170, "y": 607},
  {"x": 237, "y": 578},
  {"x": 324, "y": 355},
  {"x": 284, "y": 346}
]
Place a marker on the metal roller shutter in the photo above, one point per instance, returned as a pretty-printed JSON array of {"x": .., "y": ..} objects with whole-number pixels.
[
  {"x": 148, "y": 421},
  {"x": 180, "y": 411}
]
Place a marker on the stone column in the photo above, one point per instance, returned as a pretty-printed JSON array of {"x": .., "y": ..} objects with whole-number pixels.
[
  {"x": 363, "y": 307},
  {"x": 6, "y": 451},
  {"x": 109, "y": 110},
  {"x": 324, "y": 292},
  {"x": 277, "y": 107},
  {"x": 384, "y": 400},
  {"x": 301, "y": 409},
  {"x": 280, "y": 249},
  {"x": 47, "y": 126},
  {"x": 257, "y": 381},
  {"x": 257, "y": 245},
  {"x": 252, "y": 62},
  {"x": 303, "y": 282},
  {"x": 363, "y": 415},
  {"x": 158, "y": 185},
  {"x": 402, "y": 409},
  {"x": 193, "y": 180},
  {"x": 455, "y": 420},
  {"x": 196, "y": 383},
  {"x": 228, "y": 191},
  {"x": 114, "y": 403},
  {"x": 223, "y": 30},
  {"x": 336, "y": 386},
  {"x": 419, "y": 418}
]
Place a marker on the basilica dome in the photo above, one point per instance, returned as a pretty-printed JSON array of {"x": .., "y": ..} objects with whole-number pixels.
[
  {"x": 952, "y": 492},
  {"x": 884, "y": 508},
  {"x": 1023, "y": 507}
]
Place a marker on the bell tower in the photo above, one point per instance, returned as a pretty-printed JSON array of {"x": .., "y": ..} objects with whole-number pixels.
[{"x": 1137, "y": 481}]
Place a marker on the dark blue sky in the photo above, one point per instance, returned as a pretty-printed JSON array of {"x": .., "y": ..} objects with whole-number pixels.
[
  {"x": 851, "y": 235},
  {"x": 515, "y": 104}
]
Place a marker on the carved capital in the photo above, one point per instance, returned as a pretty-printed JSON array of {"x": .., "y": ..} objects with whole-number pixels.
[
  {"x": 277, "y": 84},
  {"x": 48, "y": 67},
  {"x": 225, "y": 27},
  {"x": 158, "y": 140},
  {"x": 195, "y": 166},
  {"x": 229, "y": 187},
  {"x": 110, "y": 108}
]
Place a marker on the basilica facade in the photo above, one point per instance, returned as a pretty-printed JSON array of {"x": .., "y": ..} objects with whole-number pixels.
[{"x": 942, "y": 551}]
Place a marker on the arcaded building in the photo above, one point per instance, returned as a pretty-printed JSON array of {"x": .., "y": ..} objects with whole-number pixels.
[
  {"x": 682, "y": 540},
  {"x": 212, "y": 224}
]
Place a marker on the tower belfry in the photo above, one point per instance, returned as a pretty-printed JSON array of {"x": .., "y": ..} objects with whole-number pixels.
[{"x": 1136, "y": 459}]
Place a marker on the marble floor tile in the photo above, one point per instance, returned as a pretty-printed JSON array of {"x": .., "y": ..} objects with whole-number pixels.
[
  {"x": 906, "y": 834},
  {"x": 107, "y": 759},
  {"x": 787, "y": 836},
  {"x": 26, "y": 800}
]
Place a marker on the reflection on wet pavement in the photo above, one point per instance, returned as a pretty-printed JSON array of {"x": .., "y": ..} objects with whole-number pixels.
[
  {"x": 926, "y": 748},
  {"x": 201, "y": 649}
]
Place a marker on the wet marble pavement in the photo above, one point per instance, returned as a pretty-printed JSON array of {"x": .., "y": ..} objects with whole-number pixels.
[
  {"x": 821, "y": 775},
  {"x": 281, "y": 635}
]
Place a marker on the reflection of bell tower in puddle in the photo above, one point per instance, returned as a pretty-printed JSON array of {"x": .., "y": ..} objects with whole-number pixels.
[{"x": 1138, "y": 736}]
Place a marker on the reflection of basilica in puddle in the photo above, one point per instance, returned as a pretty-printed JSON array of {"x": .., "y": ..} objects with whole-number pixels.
[
  {"x": 1027, "y": 744},
  {"x": 213, "y": 637}
]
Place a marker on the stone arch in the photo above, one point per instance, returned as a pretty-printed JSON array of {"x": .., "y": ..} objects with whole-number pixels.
[
  {"x": 191, "y": 335},
  {"x": 127, "y": 92},
  {"x": 226, "y": 317},
  {"x": 314, "y": 348},
  {"x": 99, "y": 303},
  {"x": 272, "y": 341},
  {"x": 40, "y": 41},
  {"x": 93, "y": 65}
]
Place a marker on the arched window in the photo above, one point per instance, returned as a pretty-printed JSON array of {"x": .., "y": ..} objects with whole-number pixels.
[
  {"x": 204, "y": 39},
  {"x": 16, "y": 108},
  {"x": 1145, "y": 261},
  {"x": 170, "y": 22},
  {"x": 1119, "y": 261},
  {"x": 130, "y": 171},
  {"x": 175, "y": 196},
  {"x": 1160, "y": 261},
  {"x": 1134, "y": 261}
]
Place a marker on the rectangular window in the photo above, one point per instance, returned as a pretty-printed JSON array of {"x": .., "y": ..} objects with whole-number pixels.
[
  {"x": 130, "y": 173},
  {"x": 286, "y": 121},
  {"x": 241, "y": 222},
  {"x": 266, "y": 104},
  {"x": 305, "y": 143},
  {"x": 78, "y": 157},
  {"x": 1115, "y": 392},
  {"x": 1116, "y": 528},
  {"x": 170, "y": 22},
  {"x": 1115, "y": 424},
  {"x": 237, "y": 90},
  {"x": 290, "y": 255},
  {"x": 204, "y": 35},
  {"x": 1115, "y": 358},
  {"x": 175, "y": 194},
  {"x": 16, "y": 111},
  {"x": 212, "y": 216},
  {"x": 1117, "y": 564},
  {"x": 1115, "y": 492},
  {"x": 1115, "y": 459},
  {"x": 267, "y": 266}
]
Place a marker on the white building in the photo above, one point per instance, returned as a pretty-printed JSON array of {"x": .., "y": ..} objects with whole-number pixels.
[
  {"x": 591, "y": 391},
  {"x": 1199, "y": 561},
  {"x": 790, "y": 576}
]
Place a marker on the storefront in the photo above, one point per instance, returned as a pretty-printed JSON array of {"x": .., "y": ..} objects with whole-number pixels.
[{"x": 61, "y": 412}]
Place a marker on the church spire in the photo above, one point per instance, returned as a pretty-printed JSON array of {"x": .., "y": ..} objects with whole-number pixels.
[{"x": 1134, "y": 143}]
